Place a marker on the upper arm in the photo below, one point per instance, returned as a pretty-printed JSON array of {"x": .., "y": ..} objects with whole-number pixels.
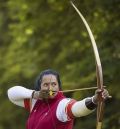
[{"x": 64, "y": 110}]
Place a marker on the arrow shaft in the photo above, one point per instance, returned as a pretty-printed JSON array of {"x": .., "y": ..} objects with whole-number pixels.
[{"x": 80, "y": 89}]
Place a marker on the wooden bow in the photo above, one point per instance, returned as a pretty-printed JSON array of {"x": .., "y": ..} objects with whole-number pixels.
[{"x": 99, "y": 74}]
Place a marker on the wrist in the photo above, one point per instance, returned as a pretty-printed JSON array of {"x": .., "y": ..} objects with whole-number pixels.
[
  {"x": 36, "y": 95},
  {"x": 94, "y": 99},
  {"x": 90, "y": 104}
]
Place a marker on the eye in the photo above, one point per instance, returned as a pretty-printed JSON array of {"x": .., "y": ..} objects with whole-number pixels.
[
  {"x": 45, "y": 84},
  {"x": 54, "y": 84}
]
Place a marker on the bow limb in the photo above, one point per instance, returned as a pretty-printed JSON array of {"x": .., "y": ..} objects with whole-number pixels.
[{"x": 98, "y": 70}]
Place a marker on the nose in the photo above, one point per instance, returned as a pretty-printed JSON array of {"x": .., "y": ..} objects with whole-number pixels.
[{"x": 50, "y": 86}]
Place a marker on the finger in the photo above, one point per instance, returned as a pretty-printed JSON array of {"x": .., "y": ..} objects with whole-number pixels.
[
  {"x": 105, "y": 92},
  {"x": 109, "y": 96},
  {"x": 98, "y": 91},
  {"x": 106, "y": 96},
  {"x": 45, "y": 91},
  {"x": 45, "y": 94}
]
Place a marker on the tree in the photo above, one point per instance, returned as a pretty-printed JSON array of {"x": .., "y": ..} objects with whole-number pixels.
[{"x": 40, "y": 34}]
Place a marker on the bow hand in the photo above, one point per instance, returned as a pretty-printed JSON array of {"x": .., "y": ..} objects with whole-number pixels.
[{"x": 101, "y": 94}]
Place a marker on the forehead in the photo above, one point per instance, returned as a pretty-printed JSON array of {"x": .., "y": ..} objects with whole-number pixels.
[{"x": 49, "y": 78}]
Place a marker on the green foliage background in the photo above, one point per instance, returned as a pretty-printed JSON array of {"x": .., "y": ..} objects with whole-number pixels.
[{"x": 41, "y": 34}]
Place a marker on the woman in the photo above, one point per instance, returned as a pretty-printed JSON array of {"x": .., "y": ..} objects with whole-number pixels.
[{"x": 49, "y": 108}]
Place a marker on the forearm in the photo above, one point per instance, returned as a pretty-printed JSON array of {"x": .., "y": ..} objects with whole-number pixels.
[{"x": 83, "y": 107}]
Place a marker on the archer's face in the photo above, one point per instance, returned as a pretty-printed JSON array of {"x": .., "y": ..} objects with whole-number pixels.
[{"x": 49, "y": 82}]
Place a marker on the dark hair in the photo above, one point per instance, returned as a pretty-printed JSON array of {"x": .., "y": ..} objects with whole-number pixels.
[{"x": 38, "y": 81}]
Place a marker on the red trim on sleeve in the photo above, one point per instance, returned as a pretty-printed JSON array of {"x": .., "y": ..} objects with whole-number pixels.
[
  {"x": 68, "y": 109},
  {"x": 27, "y": 104}
]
